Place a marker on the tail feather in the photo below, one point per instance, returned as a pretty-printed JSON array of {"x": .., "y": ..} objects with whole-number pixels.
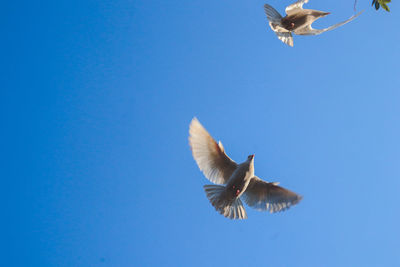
[
  {"x": 285, "y": 37},
  {"x": 235, "y": 210},
  {"x": 232, "y": 209}
]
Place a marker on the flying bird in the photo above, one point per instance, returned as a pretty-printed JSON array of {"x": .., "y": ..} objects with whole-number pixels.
[
  {"x": 298, "y": 21},
  {"x": 234, "y": 182}
]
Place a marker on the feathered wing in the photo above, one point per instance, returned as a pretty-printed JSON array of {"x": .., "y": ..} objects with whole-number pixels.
[
  {"x": 274, "y": 19},
  {"x": 272, "y": 15},
  {"x": 209, "y": 155},
  {"x": 295, "y": 7},
  {"x": 310, "y": 31},
  {"x": 265, "y": 196}
]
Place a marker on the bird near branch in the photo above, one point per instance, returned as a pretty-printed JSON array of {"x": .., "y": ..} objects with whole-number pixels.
[{"x": 297, "y": 21}]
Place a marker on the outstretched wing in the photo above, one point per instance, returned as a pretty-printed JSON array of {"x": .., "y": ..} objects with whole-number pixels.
[
  {"x": 274, "y": 19},
  {"x": 210, "y": 155},
  {"x": 272, "y": 15},
  {"x": 295, "y": 7},
  {"x": 310, "y": 31},
  {"x": 265, "y": 196}
]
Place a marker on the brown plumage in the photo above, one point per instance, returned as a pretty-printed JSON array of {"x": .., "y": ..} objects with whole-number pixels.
[{"x": 298, "y": 21}]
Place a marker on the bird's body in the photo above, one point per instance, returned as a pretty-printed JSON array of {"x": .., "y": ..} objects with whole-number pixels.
[
  {"x": 234, "y": 181},
  {"x": 240, "y": 178},
  {"x": 297, "y": 21},
  {"x": 301, "y": 19}
]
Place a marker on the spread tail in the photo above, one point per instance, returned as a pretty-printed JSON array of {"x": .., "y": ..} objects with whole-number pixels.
[{"x": 232, "y": 209}]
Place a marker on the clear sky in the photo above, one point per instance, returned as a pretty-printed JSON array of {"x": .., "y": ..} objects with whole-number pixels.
[{"x": 97, "y": 101}]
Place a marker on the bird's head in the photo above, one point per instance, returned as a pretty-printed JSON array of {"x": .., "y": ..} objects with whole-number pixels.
[
  {"x": 320, "y": 14},
  {"x": 326, "y": 14},
  {"x": 250, "y": 161}
]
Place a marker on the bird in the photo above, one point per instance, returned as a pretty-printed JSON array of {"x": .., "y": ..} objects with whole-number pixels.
[
  {"x": 232, "y": 181},
  {"x": 298, "y": 21}
]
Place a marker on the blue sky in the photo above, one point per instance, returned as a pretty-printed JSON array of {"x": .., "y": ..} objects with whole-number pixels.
[{"x": 98, "y": 98}]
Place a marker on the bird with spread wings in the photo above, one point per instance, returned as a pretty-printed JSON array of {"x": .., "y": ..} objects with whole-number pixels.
[
  {"x": 234, "y": 181},
  {"x": 298, "y": 21}
]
